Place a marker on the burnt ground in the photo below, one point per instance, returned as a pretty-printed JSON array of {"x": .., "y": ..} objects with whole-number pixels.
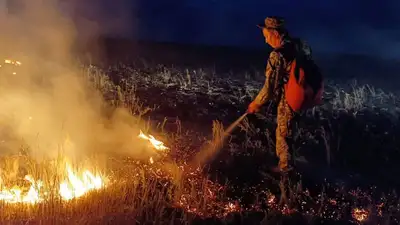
[{"x": 349, "y": 143}]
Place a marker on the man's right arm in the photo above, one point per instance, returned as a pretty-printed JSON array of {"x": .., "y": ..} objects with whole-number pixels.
[{"x": 271, "y": 76}]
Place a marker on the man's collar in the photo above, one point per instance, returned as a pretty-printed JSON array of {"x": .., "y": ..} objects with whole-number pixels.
[{"x": 285, "y": 40}]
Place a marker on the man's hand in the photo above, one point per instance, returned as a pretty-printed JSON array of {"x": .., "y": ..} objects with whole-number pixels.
[{"x": 253, "y": 107}]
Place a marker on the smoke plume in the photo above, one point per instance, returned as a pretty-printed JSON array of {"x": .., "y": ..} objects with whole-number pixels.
[{"x": 47, "y": 106}]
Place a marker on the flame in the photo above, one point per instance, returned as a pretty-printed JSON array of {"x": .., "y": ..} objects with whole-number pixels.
[
  {"x": 14, "y": 194},
  {"x": 78, "y": 186},
  {"x": 154, "y": 142},
  {"x": 73, "y": 187}
]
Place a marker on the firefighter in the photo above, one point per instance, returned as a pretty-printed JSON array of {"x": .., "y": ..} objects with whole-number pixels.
[{"x": 277, "y": 71}]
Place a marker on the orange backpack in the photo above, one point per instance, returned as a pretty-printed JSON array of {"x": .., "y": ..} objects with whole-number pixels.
[{"x": 305, "y": 86}]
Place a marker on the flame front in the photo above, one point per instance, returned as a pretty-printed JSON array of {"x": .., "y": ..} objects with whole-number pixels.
[{"x": 73, "y": 187}]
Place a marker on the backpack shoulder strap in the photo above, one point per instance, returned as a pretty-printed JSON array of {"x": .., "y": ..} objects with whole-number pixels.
[
  {"x": 287, "y": 51},
  {"x": 287, "y": 54}
]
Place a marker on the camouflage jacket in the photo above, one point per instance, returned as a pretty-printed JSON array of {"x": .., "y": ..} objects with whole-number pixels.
[{"x": 278, "y": 68}]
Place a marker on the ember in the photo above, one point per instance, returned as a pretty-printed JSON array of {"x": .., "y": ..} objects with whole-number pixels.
[
  {"x": 232, "y": 207},
  {"x": 360, "y": 214},
  {"x": 16, "y": 63},
  {"x": 271, "y": 199}
]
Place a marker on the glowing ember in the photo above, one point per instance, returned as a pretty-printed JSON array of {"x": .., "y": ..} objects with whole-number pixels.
[
  {"x": 360, "y": 214},
  {"x": 12, "y": 62},
  {"x": 271, "y": 199},
  {"x": 154, "y": 142},
  {"x": 231, "y": 207},
  {"x": 9, "y": 61}
]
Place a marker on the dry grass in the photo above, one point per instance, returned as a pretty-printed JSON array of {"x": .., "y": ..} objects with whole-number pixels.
[
  {"x": 349, "y": 97},
  {"x": 167, "y": 192}
]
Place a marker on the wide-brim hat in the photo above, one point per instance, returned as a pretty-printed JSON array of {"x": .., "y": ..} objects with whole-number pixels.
[{"x": 272, "y": 22}]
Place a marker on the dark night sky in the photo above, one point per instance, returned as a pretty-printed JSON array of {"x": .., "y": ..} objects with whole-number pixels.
[{"x": 350, "y": 26}]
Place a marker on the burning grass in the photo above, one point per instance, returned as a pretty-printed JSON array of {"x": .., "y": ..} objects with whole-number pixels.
[
  {"x": 74, "y": 186},
  {"x": 163, "y": 189},
  {"x": 62, "y": 180}
]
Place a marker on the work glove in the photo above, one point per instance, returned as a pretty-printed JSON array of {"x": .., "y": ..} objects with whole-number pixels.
[{"x": 254, "y": 107}]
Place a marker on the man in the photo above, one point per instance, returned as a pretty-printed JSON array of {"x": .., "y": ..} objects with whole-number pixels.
[{"x": 278, "y": 66}]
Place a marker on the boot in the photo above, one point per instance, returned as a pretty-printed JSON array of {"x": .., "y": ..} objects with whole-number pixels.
[{"x": 284, "y": 188}]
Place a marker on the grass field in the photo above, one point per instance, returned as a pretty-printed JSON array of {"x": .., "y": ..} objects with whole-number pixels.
[{"x": 343, "y": 149}]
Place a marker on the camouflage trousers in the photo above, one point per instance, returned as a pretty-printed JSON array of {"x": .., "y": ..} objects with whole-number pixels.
[{"x": 285, "y": 120}]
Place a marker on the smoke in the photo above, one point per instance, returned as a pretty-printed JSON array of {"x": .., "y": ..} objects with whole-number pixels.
[{"x": 46, "y": 104}]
